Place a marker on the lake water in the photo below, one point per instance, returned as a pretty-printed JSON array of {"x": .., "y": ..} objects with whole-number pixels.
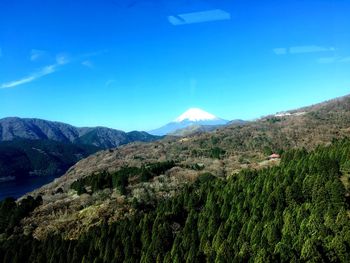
[{"x": 18, "y": 188}]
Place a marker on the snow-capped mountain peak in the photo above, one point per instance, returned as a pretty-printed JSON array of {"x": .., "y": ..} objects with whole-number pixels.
[
  {"x": 191, "y": 117},
  {"x": 195, "y": 114}
]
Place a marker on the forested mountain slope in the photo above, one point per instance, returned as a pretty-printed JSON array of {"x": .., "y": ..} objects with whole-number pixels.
[
  {"x": 117, "y": 188},
  {"x": 222, "y": 153},
  {"x": 294, "y": 212}
]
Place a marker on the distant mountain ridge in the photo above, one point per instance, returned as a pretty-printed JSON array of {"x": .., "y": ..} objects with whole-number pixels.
[
  {"x": 37, "y": 129},
  {"x": 191, "y": 120}
]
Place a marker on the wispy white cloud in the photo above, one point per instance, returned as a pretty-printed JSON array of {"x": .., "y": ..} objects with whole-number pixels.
[
  {"x": 47, "y": 70},
  {"x": 330, "y": 51},
  {"x": 327, "y": 60},
  {"x": 62, "y": 59},
  {"x": 302, "y": 50},
  {"x": 309, "y": 49},
  {"x": 87, "y": 63},
  {"x": 36, "y": 75},
  {"x": 36, "y": 54},
  {"x": 334, "y": 59},
  {"x": 199, "y": 17}
]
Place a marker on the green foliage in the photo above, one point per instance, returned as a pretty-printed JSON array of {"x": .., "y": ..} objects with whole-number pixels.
[
  {"x": 273, "y": 120},
  {"x": 78, "y": 186},
  {"x": 120, "y": 178},
  {"x": 217, "y": 152},
  {"x": 295, "y": 212},
  {"x": 11, "y": 213},
  {"x": 205, "y": 178},
  {"x": 155, "y": 169}
]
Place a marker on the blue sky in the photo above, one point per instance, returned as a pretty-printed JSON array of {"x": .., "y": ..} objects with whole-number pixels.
[{"x": 138, "y": 64}]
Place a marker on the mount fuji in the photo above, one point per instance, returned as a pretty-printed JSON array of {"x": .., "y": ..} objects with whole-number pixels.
[{"x": 193, "y": 119}]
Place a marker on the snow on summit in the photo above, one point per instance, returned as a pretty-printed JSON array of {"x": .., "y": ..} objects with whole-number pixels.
[
  {"x": 192, "y": 116},
  {"x": 195, "y": 114}
]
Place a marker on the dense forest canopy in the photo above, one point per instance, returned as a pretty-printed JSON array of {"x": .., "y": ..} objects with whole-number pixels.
[{"x": 294, "y": 212}]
